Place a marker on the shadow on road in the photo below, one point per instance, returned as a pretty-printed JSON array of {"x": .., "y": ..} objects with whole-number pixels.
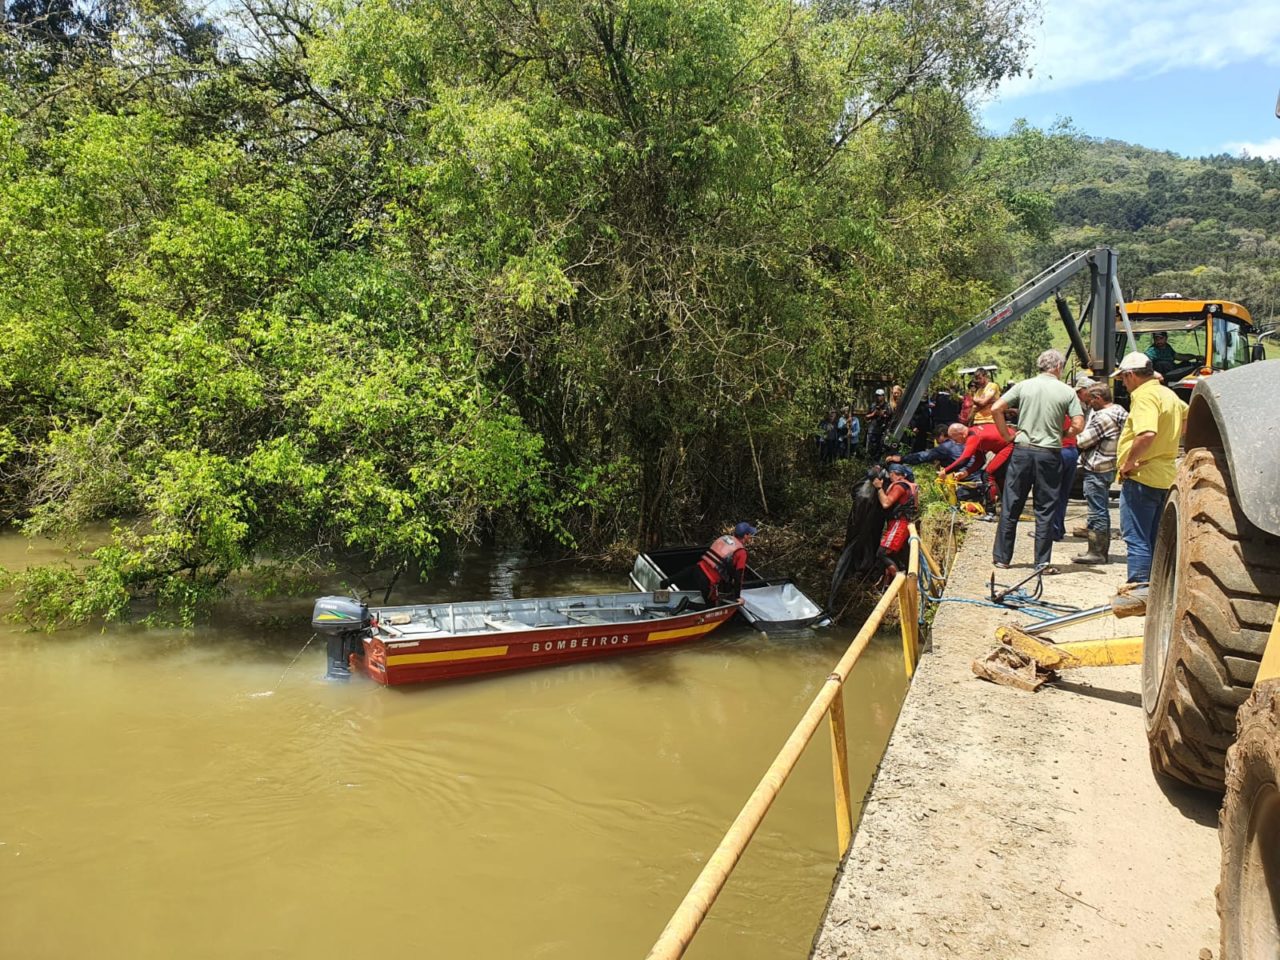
[
  {"x": 1198, "y": 805},
  {"x": 1128, "y": 698}
]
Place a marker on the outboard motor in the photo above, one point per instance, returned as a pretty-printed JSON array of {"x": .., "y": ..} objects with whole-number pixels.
[{"x": 342, "y": 620}]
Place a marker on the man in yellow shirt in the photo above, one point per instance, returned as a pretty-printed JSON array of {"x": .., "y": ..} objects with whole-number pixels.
[
  {"x": 984, "y": 396},
  {"x": 1146, "y": 458}
]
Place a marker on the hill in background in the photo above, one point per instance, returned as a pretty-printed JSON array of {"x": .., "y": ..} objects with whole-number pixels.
[{"x": 1206, "y": 227}]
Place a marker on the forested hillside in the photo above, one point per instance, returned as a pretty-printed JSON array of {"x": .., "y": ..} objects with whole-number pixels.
[
  {"x": 1203, "y": 227},
  {"x": 1206, "y": 227},
  {"x": 385, "y": 276}
]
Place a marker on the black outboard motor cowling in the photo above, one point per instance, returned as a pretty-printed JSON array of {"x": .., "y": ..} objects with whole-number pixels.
[
  {"x": 342, "y": 620},
  {"x": 333, "y": 615}
]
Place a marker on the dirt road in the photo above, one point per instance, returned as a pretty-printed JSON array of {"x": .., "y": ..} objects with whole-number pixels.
[{"x": 1010, "y": 824}]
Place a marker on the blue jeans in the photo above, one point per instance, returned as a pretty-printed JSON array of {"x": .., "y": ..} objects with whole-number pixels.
[
  {"x": 1096, "y": 486},
  {"x": 1070, "y": 457},
  {"x": 1140, "y": 508},
  {"x": 1041, "y": 468}
]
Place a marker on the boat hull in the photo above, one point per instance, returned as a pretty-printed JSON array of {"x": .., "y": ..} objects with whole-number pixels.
[{"x": 393, "y": 661}]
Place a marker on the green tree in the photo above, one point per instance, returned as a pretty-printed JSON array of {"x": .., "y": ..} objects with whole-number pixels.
[
  {"x": 1025, "y": 341},
  {"x": 383, "y": 276}
]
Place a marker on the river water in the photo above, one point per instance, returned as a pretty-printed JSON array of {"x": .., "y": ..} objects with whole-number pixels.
[{"x": 188, "y": 793}]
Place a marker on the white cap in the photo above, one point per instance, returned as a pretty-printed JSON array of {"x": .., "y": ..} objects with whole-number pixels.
[
  {"x": 880, "y": 393},
  {"x": 1135, "y": 362},
  {"x": 1084, "y": 380}
]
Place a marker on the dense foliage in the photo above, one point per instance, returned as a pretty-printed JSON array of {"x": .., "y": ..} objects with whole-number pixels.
[{"x": 384, "y": 275}]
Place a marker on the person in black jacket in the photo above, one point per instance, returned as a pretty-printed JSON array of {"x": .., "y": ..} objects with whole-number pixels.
[{"x": 946, "y": 406}]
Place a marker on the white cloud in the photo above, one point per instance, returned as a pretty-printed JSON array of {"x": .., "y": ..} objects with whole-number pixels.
[
  {"x": 1083, "y": 41},
  {"x": 1267, "y": 149}
]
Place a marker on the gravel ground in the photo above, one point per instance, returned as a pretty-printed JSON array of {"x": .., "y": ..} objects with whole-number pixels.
[{"x": 1012, "y": 824}]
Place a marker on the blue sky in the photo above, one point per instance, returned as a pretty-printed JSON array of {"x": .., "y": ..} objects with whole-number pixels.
[{"x": 1192, "y": 77}]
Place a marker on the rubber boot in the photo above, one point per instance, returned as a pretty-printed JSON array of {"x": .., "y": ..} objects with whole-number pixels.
[{"x": 1099, "y": 548}]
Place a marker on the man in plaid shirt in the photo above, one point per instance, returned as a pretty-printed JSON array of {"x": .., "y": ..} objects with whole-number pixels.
[{"x": 1097, "y": 442}]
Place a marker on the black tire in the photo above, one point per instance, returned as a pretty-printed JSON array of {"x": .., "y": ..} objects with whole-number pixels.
[
  {"x": 1249, "y": 888},
  {"x": 1215, "y": 579}
]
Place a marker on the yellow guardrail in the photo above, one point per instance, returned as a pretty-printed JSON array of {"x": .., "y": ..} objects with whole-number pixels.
[{"x": 905, "y": 590}]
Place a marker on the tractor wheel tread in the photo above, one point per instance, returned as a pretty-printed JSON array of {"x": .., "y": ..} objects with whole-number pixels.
[
  {"x": 1217, "y": 624},
  {"x": 1249, "y": 829}
]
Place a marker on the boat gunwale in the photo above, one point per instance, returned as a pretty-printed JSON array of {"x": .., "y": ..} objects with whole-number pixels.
[{"x": 418, "y": 631}]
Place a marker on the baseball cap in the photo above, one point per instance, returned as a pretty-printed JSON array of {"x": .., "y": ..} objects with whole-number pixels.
[
  {"x": 1084, "y": 380},
  {"x": 744, "y": 529},
  {"x": 1133, "y": 363},
  {"x": 880, "y": 393}
]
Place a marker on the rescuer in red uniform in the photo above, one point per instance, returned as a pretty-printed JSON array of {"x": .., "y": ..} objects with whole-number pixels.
[
  {"x": 724, "y": 564},
  {"x": 900, "y": 497},
  {"x": 979, "y": 442}
]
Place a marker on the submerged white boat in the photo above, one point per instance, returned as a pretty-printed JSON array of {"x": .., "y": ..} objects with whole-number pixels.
[{"x": 767, "y": 602}]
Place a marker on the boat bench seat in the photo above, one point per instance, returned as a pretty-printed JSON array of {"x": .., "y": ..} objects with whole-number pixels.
[
  {"x": 586, "y": 619},
  {"x": 508, "y": 625}
]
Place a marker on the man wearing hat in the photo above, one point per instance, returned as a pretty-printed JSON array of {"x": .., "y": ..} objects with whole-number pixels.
[
  {"x": 1145, "y": 458},
  {"x": 899, "y": 498},
  {"x": 724, "y": 564}
]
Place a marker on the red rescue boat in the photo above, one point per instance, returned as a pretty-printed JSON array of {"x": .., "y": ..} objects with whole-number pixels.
[{"x": 442, "y": 641}]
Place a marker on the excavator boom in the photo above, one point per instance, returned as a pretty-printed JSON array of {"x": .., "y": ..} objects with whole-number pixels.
[{"x": 1100, "y": 306}]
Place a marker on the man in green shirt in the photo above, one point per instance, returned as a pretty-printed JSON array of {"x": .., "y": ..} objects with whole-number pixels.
[
  {"x": 1146, "y": 459},
  {"x": 1047, "y": 409}
]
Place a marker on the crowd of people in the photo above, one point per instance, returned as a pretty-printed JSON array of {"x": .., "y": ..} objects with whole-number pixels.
[
  {"x": 842, "y": 433},
  {"x": 1060, "y": 427},
  {"x": 1030, "y": 440}
]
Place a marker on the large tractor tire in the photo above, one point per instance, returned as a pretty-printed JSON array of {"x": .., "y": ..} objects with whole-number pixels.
[
  {"x": 1215, "y": 579},
  {"x": 1249, "y": 890}
]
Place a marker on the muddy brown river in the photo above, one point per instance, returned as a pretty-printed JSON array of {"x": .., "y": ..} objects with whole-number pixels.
[{"x": 190, "y": 793}]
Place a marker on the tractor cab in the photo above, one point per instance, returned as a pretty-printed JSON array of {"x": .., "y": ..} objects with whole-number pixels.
[{"x": 1188, "y": 339}]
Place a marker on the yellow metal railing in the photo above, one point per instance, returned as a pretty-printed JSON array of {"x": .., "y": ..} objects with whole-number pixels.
[{"x": 905, "y": 590}]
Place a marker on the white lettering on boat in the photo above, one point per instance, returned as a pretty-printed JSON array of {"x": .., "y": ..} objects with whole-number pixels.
[{"x": 582, "y": 643}]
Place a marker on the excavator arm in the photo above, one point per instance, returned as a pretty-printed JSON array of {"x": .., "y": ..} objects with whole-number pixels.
[{"x": 1100, "y": 307}]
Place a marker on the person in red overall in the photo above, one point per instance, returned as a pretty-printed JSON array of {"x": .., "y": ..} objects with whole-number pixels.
[
  {"x": 1070, "y": 458},
  {"x": 980, "y": 441},
  {"x": 900, "y": 498},
  {"x": 724, "y": 565}
]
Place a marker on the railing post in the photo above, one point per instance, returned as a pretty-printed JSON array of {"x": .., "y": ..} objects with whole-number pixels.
[
  {"x": 914, "y": 582},
  {"x": 907, "y": 619},
  {"x": 909, "y": 606},
  {"x": 840, "y": 771}
]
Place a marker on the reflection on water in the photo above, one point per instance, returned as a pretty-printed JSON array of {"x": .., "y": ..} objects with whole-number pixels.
[{"x": 171, "y": 794}]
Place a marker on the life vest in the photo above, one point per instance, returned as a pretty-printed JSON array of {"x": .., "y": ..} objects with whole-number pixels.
[
  {"x": 718, "y": 558},
  {"x": 905, "y": 509}
]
